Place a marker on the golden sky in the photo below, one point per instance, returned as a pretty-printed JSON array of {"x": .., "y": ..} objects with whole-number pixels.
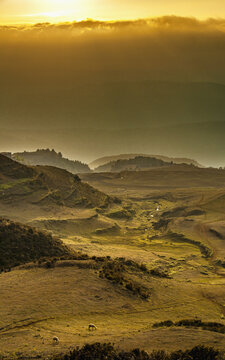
[{"x": 32, "y": 11}]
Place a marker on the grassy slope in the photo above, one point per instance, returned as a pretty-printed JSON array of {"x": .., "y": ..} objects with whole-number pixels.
[{"x": 69, "y": 298}]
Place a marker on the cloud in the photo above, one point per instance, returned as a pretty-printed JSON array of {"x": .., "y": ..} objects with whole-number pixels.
[
  {"x": 44, "y": 66},
  {"x": 167, "y": 48},
  {"x": 167, "y": 23}
]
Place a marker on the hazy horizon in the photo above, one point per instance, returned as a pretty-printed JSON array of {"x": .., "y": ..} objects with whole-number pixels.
[{"x": 169, "y": 142}]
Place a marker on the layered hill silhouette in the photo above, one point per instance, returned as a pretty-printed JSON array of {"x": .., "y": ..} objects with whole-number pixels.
[
  {"x": 110, "y": 160},
  {"x": 136, "y": 163},
  {"x": 52, "y": 158},
  {"x": 45, "y": 185},
  {"x": 20, "y": 244}
]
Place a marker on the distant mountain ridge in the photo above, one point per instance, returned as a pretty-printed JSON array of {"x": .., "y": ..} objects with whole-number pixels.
[
  {"x": 52, "y": 158},
  {"x": 109, "y": 161},
  {"x": 137, "y": 163}
]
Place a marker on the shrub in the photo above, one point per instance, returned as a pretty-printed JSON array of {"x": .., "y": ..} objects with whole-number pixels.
[
  {"x": 166, "y": 323},
  {"x": 116, "y": 271},
  {"x": 159, "y": 272},
  {"x": 107, "y": 351},
  {"x": 20, "y": 244},
  {"x": 210, "y": 326}
]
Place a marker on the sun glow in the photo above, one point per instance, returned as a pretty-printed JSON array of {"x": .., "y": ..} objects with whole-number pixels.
[
  {"x": 48, "y": 14},
  {"x": 44, "y": 10},
  {"x": 62, "y": 5},
  {"x": 69, "y": 9},
  {"x": 31, "y": 11}
]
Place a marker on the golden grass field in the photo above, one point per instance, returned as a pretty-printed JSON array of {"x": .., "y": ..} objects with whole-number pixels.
[{"x": 37, "y": 303}]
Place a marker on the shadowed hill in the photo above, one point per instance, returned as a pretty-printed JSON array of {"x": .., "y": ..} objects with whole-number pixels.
[
  {"x": 52, "y": 158},
  {"x": 14, "y": 170},
  {"x": 109, "y": 159},
  {"x": 20, "y": 244}
]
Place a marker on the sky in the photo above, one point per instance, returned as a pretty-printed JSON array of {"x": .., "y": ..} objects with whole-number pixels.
[
  {"x": 94, "y": 88},
  {"x": 142, "y": 76},
  {"x": 32, "y": 11}
]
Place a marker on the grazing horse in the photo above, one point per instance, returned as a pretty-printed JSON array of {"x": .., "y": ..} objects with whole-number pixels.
[
  {"x": 92, "y": 327},
  {"x": 55, "y": 340}
]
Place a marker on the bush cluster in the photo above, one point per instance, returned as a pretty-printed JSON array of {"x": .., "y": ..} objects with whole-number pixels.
[
  {"x": 210, "y": 326},
  {"x": 220, "y": 262},
  {"x": 20, "y": 244},
  {"x": 160, "y": 273},
  {"x": 122, "y": 214},
  {"x": 99, "y": 351},
  {"x": 161, "y": 224},
  {"x": 117, "y": 270}
]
